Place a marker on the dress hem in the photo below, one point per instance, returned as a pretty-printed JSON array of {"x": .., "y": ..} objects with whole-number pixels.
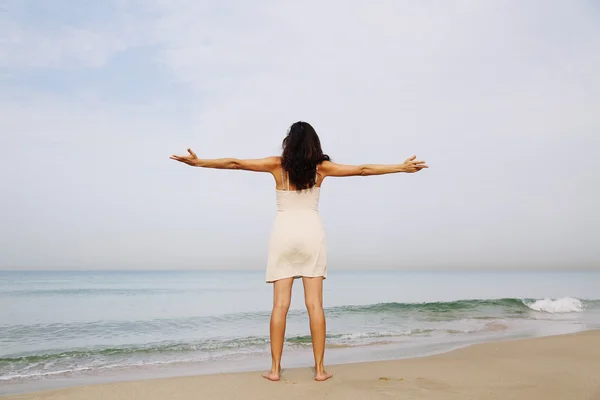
[{"x": 297, "y": 277}]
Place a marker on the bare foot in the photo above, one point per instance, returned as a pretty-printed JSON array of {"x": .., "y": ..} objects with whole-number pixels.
[
  {"x": 323, "y": 376},
  {"x": 272, "y": 376}
]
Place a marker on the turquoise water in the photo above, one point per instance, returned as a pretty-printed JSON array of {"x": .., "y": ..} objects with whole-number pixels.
[{"x": 64, "y": 328}]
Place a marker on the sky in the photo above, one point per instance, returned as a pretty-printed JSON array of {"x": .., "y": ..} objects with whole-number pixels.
[{"x": 501, "y": 98}]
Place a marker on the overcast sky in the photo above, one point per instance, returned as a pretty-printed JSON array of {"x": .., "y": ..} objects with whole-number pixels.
[{"x": 501, "y": 98}]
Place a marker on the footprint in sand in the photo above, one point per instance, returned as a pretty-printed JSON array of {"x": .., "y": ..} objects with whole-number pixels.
[
  {"x": 386, "y": 379},
  {"x": 389, "y": 386}
]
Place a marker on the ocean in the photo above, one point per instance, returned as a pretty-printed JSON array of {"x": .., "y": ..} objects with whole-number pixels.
[{"x": 69, "y": 328}]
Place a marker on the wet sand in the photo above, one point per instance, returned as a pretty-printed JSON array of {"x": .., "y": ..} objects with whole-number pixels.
[{"x": 565, "y": 367}]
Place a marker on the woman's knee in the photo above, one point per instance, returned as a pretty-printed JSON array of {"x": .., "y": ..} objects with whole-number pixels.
[
  {"x": 314, "y": 305},
  {"x": 281, "y": 305}
]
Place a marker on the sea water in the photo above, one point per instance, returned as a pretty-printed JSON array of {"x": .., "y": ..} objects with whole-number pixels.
[{"x": 68, "y": 328}]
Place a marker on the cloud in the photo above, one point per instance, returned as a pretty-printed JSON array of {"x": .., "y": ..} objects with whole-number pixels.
[
  {"x": 67, "y": 34},
  {"x": 501, "y": 99}
]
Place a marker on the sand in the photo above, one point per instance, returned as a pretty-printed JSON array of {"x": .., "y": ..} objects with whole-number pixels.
[{"x": 563, "y": 367}]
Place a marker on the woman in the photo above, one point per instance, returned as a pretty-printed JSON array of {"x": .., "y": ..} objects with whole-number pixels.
[{"x": 297, "y": 248}]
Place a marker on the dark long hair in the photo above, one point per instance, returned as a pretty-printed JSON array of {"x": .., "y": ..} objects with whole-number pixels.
[{"x": 302, "y": 154}]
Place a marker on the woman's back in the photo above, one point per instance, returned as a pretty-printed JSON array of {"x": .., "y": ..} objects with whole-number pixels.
[
  {"x": 297, "y": 246},
  {"x": 292, "y": 200},
  {"x": 289, "y": 199}
]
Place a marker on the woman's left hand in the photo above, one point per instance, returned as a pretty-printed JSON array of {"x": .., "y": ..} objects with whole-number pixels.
[{"x": 192, "y": 159}]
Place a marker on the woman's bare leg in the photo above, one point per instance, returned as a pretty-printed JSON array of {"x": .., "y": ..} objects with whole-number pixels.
[
  {"x": 313, "y": 297},
  {"x": 282, "y": 295}
]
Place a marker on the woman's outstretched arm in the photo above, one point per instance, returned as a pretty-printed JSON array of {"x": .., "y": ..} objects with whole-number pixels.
[
  {"x": 268, "y": 164},
  {"x": 329, "y": 168}
]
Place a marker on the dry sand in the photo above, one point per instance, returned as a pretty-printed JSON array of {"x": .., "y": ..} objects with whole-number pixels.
[{"x": 559, "y": 367}]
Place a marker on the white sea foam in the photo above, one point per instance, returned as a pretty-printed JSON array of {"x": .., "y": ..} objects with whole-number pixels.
[{"x": 562, "y": 305}]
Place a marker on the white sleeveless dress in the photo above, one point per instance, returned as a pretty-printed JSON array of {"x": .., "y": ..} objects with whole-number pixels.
[{"x": 297, "y": 246}]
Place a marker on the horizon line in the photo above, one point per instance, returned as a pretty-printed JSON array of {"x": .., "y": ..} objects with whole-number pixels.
[{"x": 407, "y": 269}]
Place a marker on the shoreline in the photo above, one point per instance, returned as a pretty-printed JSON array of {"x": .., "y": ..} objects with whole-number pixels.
[
  {"x": 549, "y": 367},
  {"x": 294, "y": 359}
]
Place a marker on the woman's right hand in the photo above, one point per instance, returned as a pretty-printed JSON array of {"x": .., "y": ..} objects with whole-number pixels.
[{"x": 410, "y": 165}]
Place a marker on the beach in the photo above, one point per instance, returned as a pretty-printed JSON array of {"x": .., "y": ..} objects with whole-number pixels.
[
  {"x": 556, "y": 367},
  {"x": 73, "y": 329}
]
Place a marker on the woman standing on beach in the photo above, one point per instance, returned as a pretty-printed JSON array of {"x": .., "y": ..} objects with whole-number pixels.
[{"x": 297, "y": 248}]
